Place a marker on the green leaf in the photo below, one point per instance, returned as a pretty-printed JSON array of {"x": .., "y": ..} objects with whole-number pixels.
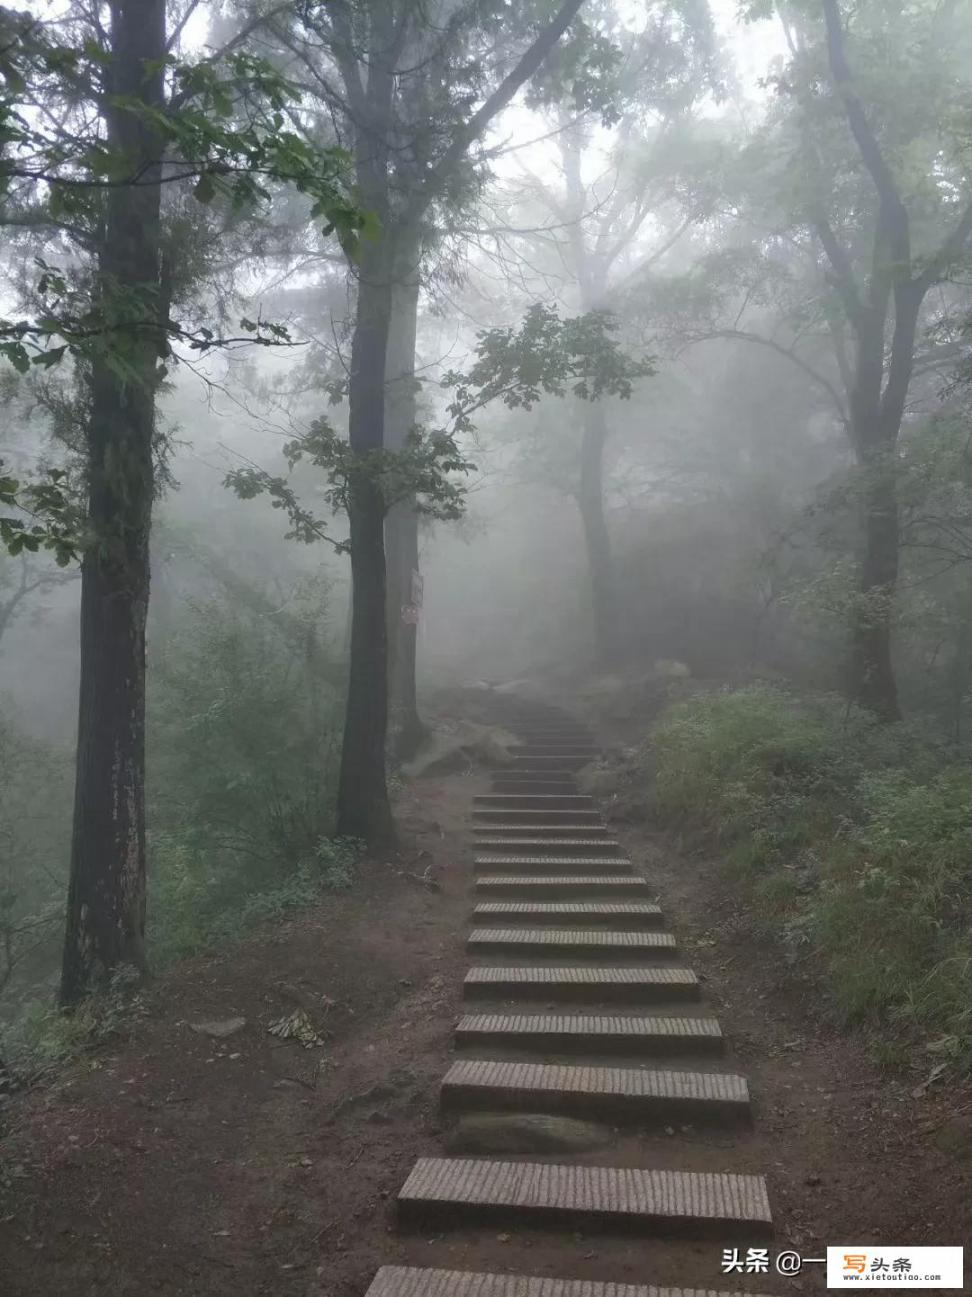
[
  {"x": 48, "y": 359},
  {"x": 204, "y": 190}
]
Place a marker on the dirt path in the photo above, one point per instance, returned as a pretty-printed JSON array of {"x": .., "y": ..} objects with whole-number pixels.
[{"x": 176, "y": 1164}]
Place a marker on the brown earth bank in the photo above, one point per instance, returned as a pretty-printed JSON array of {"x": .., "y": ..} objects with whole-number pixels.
[{"x": 180, "y": 1164}]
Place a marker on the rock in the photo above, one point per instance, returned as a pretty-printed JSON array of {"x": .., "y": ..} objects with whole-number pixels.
[
  {"x": 219, "y": 1030},
  {"x": 955, "y": 1137},
  {"x": 525, "y": 1132},
  {"x": 465, "y": 744},
  {"x": 670, "y": 669}
]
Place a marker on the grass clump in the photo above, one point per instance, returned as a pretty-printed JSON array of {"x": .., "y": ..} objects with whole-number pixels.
[{"x": 852, "y": 842}]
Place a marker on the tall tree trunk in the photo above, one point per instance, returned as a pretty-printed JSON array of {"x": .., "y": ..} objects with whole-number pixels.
[
  {"x": 401, "y": 525},
  {"x": 877, "y": 408},
  {"x": 873, "y": 683},
  {"x": 591, "y": 274},
  {"x": 106, "y": 893},
  {"x": 363, "y": 808},
  {"x": 597, "y": 539}
]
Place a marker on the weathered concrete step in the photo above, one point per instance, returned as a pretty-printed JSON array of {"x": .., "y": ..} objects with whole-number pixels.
[
  {"x": 526, "y": 817},
  {"x": 591, "y": 1033},
  {"x": 581, "y": 985},
  {"x": 407, "y": 1281},
  {"x": 559, "y": 886},
  {"x": 524, "y": 772},
  {"x": 517, "y": 782},
  {"x": 532, "y": 802},
  {"x": 549, "y": 762},
  {"x": 551, "y": 727},
  {"x": 572, "y": 943},
  {"x": 560, "y": 846},
  {"x": 634, "y": 1094},
  {"x": 553, "y": 749},
  {"x": 545, "y": 784},
  {"x": 445, "y": 1191},
  {"x": 486, "y": 832},
  {"x": 614, "y": 914},
  {"x": 493, "y": 863}
]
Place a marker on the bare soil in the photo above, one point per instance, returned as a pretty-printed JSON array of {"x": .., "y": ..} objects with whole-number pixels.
[{"x": 177, "y": 1164}]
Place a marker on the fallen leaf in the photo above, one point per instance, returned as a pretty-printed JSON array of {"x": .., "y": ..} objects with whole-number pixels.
[{"x": 296, "y": 1026}]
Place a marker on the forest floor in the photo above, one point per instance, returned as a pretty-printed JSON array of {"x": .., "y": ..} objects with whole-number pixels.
[{"x": 178, "y": 1164}]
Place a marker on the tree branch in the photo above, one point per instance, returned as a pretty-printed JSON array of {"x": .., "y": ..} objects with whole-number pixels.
[
  {"x": 896, "y": 216},
  {"x": 529, "y": 63},
  {"x": 821, "y": 380}
]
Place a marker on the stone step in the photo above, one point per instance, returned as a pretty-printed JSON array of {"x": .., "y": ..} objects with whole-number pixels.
[
  {"x": 572, "y": 943},
  {"x": 410, "y": 1281},
  {"x": 549, "y": 762},
  {"x": 546, "y": 782},
  {"x": 528, "y": 802},
  {"x": 633, "y": 1094},
  {"x": 532, "y": 785},
  {"x": 590, "y": 1033},
  {"x": 447, "y": 1191},
  {"x": 488, "y": 832},
  {"x": 614, "y": 914},
  {"x": 493, "y": 863},
  {"x": 551, "y": 727},
  {"x": 581, "y": 985},
  {"x": 526, "y": 817},
  {"x": 553, "y": 749},
  {"x": 559, "y": 846},
  {"x": 559, "y": 886},
  {"x": 520, "y": 773}
]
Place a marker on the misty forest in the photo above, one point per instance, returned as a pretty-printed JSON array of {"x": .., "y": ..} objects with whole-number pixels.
[{"x": 381, "y": 380}]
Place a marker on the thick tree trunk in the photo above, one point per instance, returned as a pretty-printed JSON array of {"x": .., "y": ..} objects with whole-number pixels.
[
  {"x": 363, "y": 807},
  {"x": 877, "y": 408},
  {"x": 873, "y": 683},
  {"x": 106, "y": 893},
  {"x": 401, "y": 525},
  {"x": 591, "y": 273},
  {"x": 597, "y": 539}
]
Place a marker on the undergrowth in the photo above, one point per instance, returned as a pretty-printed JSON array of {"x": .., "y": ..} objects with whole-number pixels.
[
  {"x": 851, "y": 840},
  {"x": 244, "y": 725}
]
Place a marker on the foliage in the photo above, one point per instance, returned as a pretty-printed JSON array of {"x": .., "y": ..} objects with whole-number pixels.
[
  {"x": 243, "y": 732},
  {"x": 243, "y": 727},
  {"x": 222, "y": 126},
  {"x": 44, "y": 517},
  {"x": 195, "y": 908},
  {"x": 35, "y": 791},
  {"x": 545, "y": 355},
  {"x": 852, "y": 840},
  {"x": 421, "y": 472},
  {"x": 516, "y": 366},
  {"x": 42, "y": 1038}
]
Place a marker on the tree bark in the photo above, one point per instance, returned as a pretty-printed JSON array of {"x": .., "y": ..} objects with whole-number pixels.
[
  {"x": 363, "y": 808},
  {"x": 873, "y": 683},
  {"x": 402, "y": 522},
  {"x": 590, "y": 271},
  {"x": 590, "y": 499},
  {"x": 106, "y": 893}
]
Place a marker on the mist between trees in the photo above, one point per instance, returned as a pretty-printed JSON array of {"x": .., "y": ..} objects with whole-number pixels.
[{"x": 351, "y": 350}]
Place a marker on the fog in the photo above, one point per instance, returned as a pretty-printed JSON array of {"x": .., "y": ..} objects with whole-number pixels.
[{"x": 690, "y": 369}]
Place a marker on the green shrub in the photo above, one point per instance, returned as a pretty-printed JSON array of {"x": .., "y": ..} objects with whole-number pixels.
[
  {"x": 245, "y": 724},
  {"x": 853, "y": 841}
]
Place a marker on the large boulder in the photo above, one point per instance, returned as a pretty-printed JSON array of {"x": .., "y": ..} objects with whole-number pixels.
[{"x": 461, "y": 745}]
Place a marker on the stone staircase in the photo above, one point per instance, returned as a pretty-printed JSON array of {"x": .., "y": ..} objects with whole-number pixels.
[{"x": 571, "y": 957}]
